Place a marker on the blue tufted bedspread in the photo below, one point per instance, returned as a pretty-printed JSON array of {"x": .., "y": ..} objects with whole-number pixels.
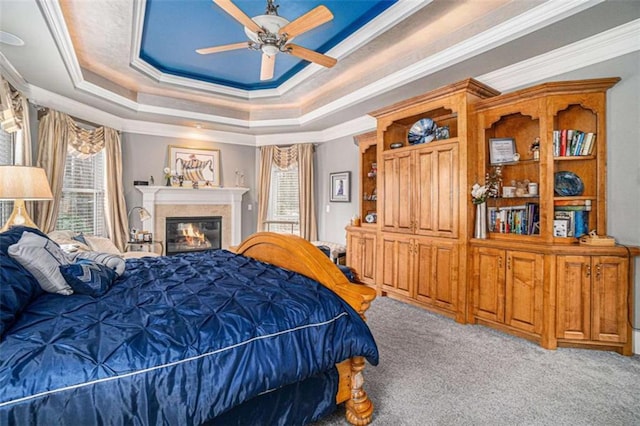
[{"x": 176, "y": 340}]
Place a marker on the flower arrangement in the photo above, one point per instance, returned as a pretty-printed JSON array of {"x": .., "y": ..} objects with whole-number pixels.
[
  {"x": 169, "y": 175},
  {"x": 480, "y": 193}
]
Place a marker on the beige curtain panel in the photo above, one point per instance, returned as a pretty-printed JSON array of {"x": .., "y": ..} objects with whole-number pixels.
[
  {"x": 264, "y": 184},
  {"x": 308, "y": 228},
  {"x": 53, "y": 134},
  {"x": 58, "y": 133},
  {"x": 14, "y": 116}
]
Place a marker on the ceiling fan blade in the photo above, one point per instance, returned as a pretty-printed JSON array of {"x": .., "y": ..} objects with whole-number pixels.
[
  {"x": 223, "y": 48},
  {"x": 311, "y": 55},
  {"x": 268, "y": 64},
  {"x": 238, "y": 15},
  {"x": 308, "y": 21}
]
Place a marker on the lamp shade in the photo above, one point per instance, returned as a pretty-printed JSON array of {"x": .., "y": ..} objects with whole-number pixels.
[{"x": 24, "y": 183}]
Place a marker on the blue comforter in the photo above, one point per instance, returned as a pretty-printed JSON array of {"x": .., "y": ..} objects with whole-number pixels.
[{"x": 176, "y": 340}]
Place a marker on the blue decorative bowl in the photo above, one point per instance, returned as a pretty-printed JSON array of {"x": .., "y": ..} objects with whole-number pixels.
[
  {"x": 423, "y": 131},
  {"x": 568, "y": 184}
]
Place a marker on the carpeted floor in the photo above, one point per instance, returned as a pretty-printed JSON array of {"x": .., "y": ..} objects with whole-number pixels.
[{"x": 434, "y": 371}]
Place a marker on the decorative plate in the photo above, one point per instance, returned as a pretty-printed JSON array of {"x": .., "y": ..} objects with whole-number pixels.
[
  {"x": 370, "y": 218},
  {"x": 396, "y": 145},
  {"x": 423, "y": 131},
  {"x": 568, "y": 184}
]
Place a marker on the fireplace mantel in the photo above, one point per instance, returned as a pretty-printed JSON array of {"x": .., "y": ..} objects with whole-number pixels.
[{"x": 154, "y": 195}]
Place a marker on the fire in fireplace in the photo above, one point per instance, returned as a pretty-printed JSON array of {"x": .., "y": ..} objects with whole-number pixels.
[{"x": 189, "y": 234}]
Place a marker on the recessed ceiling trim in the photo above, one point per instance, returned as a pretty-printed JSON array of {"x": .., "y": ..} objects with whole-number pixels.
[
  {"x": 604, "y": 46},
  {"x": 394, "y": 14}
]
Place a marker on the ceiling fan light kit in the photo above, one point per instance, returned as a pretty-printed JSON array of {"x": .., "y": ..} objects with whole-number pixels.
[{"x": 270, "y": 33}]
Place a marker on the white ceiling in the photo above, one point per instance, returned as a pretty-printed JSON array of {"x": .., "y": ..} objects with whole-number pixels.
[{"x": 81, "y": 57}]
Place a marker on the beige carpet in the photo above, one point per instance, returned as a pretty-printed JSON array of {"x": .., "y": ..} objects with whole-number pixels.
[{"x": 434, "y": 371}]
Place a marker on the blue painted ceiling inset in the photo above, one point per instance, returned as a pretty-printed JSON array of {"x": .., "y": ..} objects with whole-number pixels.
[{"x": 174, "y": 29}]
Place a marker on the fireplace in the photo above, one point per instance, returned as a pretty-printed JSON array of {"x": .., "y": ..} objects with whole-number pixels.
[{"x": 190, "y": 234}]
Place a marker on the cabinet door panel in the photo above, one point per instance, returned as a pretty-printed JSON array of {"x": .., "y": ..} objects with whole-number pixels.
[
  {"x": 573, "y": 297},
  {"x": 398, "y": 205},
  {"x": 445, "y": 276},
  {"x": 523, "y": 303},
  {"x": 396, "y": 265},
  {"x": 368, "y": 259},
  {"x": 488, "y": 301},
  {"x": 426, "y": 191},
  {"x": 610, "y": 287},
  {"x": 447, "y": 206},
  {"x": 424, "y": 272}
]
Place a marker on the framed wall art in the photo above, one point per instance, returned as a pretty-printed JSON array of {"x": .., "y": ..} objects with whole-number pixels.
[
  {"x": 196, "y": 165},
  {"x": 502, "y": 150},
  {"x": 340, "y": 187}
]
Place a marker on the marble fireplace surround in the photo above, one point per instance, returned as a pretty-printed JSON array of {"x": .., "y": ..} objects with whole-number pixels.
[{"x": 168, "y": 201}]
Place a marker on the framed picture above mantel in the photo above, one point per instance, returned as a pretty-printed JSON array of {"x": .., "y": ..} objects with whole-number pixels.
[{"x": 199, "y": 165}]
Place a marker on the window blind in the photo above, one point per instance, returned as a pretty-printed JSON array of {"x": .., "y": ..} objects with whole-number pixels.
[
  {"x": 82, "y": 205},
  {"x": 6, "y": 158},
  {"x": 284, "y": 201}
]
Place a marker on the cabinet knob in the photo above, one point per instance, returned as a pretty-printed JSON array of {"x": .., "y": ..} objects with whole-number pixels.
[
  {"x": 598, "y": 270},
  {"x": 588, "y": 270},
  {"x": 509, "y": 263}
]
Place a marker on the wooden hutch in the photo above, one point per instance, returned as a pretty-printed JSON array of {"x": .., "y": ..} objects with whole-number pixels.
[{"x": 527, "y": 277}]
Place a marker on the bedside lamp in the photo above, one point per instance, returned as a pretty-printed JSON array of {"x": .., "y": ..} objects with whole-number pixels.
[
  {"x": 143, "y": 215},
  {"x": 20, "y": 183}
]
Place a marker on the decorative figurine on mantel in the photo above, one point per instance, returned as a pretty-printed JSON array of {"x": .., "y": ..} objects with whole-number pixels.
[{"x": 239, "y": 178}]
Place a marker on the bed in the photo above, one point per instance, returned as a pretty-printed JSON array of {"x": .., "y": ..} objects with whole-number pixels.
[{"x": 214, "y": 337}]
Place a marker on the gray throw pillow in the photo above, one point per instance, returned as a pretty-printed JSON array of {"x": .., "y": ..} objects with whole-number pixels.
[
  {"x": 43, "y": 258},
  {"x": 113, "y": 261}
]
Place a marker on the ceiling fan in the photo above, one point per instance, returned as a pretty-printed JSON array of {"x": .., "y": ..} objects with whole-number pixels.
[{"x": 271, "y": 34}]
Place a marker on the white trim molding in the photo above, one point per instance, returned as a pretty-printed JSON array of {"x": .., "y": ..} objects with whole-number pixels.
[{"x": 155, "y": 195}]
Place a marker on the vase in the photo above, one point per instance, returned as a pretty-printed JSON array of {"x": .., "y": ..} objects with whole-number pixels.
[
  {"x": 480, "y": 230},
  {"x": 168, "y": 181}
]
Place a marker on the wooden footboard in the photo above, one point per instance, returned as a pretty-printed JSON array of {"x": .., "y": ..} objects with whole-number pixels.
[{"x": 296, "y": 254}]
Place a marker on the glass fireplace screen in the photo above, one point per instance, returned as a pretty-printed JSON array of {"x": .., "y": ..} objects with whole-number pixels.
[{"x": 188, "y": 234}]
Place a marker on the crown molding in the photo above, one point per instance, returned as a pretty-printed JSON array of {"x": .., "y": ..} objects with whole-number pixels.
[
  {"x": 607, "y": 45},
  {"x": 543, "y": 15},
  {"x": 610, "y": 44},
  {"x": 396, "y": 13}
]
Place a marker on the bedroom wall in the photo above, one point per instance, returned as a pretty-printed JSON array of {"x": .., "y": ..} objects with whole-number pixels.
[
  {"x": 145, "y": 155},
  {"x": 335, "y": 156}
]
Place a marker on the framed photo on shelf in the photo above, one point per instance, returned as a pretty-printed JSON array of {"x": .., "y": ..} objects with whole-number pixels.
[
  {"x": 502, "y": 150},
  {"x": 340, "y": 187},
  {"x": 561, "y": 228},
  {"x": 196, "y": 165}
]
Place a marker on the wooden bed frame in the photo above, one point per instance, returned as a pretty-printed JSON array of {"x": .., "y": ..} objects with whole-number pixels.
[{"x": 299, "y": 255}]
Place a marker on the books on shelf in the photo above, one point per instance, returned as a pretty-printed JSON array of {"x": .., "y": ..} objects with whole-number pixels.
[
  {"x": 576, "y": 219},
  {"x": 572, "y": 142},
  {"x": 520, "y": 220}
]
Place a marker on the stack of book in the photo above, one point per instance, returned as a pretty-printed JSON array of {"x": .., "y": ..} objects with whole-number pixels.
[
  {"x": 569, "y": 142},
  {"x": 522, "y": 219},
  {"x": 571, "y": 218}
]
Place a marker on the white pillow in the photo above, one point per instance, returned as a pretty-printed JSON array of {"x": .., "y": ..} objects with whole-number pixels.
[
  {"x": 42, "y": 257},
  {"x": 101, "y": 244}
]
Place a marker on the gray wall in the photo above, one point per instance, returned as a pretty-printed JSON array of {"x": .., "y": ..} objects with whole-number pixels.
[
  {"x": 335, "y": 156},
  {"x": 144, "y": 156}
]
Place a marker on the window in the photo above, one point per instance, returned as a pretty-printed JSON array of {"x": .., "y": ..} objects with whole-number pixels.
[
  {"x": 284, "y": 202},
  {"x": 82, "y": 205},
  {"x": 6, "y": 157}
]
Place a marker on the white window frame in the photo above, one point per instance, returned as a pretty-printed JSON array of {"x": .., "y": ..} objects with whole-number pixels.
[
  {"x": 7, "y": 157},
  {"x": 283, "y": 223},
  {"x": 94, "y": 222}
]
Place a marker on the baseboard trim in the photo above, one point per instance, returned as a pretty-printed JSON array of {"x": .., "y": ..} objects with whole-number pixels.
[{"x": 636, "y": 341}]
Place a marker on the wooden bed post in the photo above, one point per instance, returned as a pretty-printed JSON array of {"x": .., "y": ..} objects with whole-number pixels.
[
  {"x": 359, "y": 409},
  {"x": 296, "y": 254}
]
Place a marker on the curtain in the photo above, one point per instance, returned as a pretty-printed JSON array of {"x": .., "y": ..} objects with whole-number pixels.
[
  {"x": 264, "y": 184},
  {"x": 57, "y": 133},
  {"x": 53, "y": 134},
  {"x": 308, "y": 229},
  {"x": 14, "y": 116},
  {"x": 284, "y": 158},
  {"x": 117, "y": 221}
]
